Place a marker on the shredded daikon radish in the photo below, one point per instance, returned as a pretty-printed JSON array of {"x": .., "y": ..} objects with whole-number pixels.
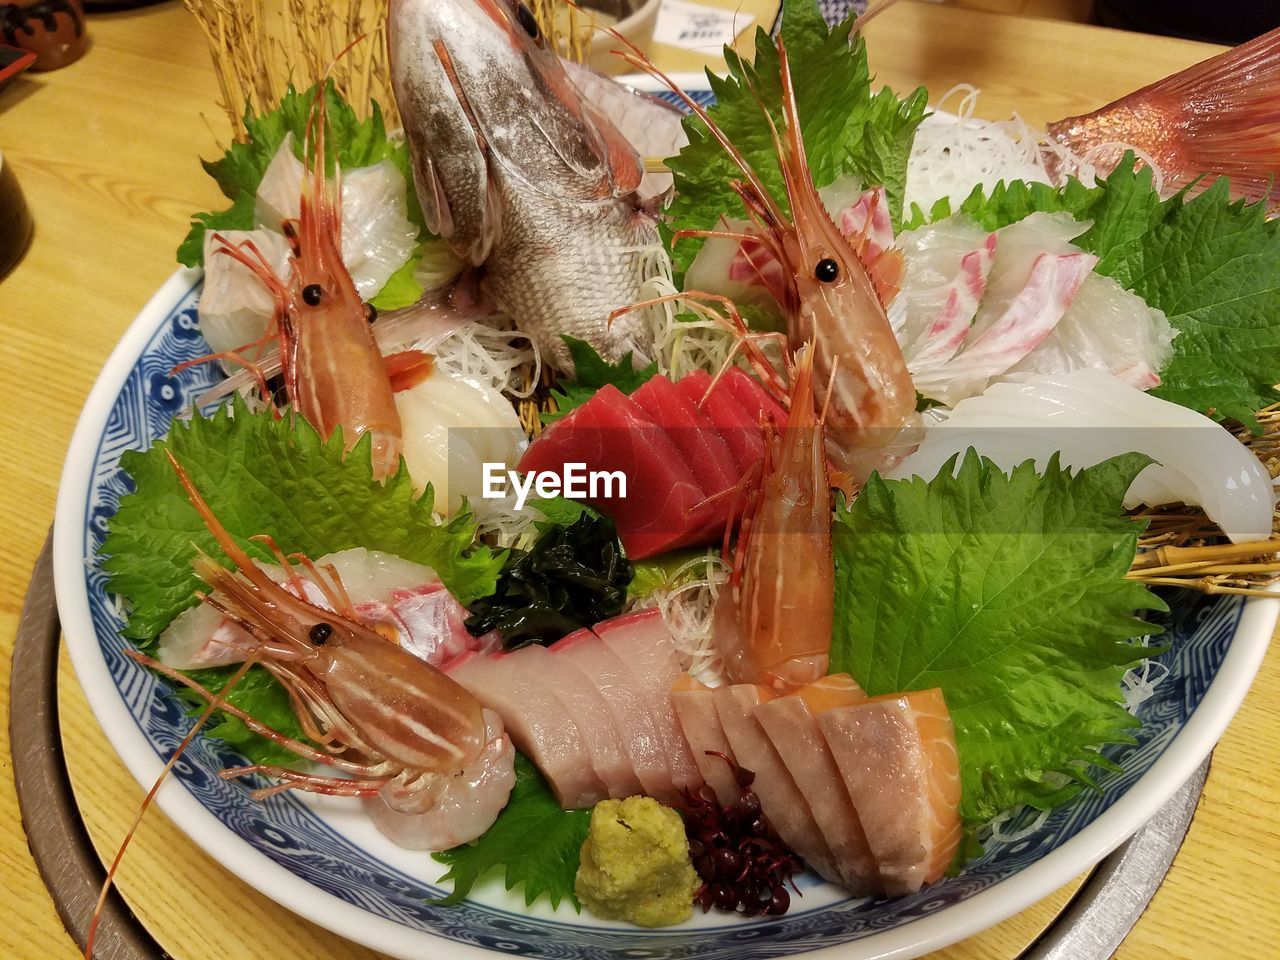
[
  {"x": 955, "y": 150},
  {"x": 688, "y": 609},
  {"x": 1139, "y": 682},
  {"x": 681, "y": 345},
  {"x": 1024, "y": 825},
  {"x": 491, "y": 355}
]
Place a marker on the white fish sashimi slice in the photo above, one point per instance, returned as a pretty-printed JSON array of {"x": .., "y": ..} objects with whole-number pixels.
[
  {"x": 1051, "y": 285},
  {"x": 1106, "y": 328},
  {"x": 932, "y": 262},
  {"x": 402, "y": 600},
  {"x": 377, "y": 237},
  {"x": 235, "y": 306},
  {"x": 941, "y": 339},
  {"x": 1089, "y": 416}
]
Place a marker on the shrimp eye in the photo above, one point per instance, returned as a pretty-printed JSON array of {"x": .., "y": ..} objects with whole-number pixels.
[
  {"x": 827, "y": 271},
  {"x": 320, "y": 633},
  {"x": 528, "y": 21},
  {"x": 312, "y": 293},
  {"x": 370, "y": 312}
]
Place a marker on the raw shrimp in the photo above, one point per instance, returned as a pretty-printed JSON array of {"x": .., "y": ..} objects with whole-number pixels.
[
  {"x": 773, "y": 621},
  {"x": 398, "y": 729},
  {"x": 830, "y": 291},
  {"x": 335, "y": 375}
]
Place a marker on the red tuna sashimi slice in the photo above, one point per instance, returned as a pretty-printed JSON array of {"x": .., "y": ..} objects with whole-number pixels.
[
  {"x": 611, "y": 433},
  {"x": 780, "y": 798},
  {"x": 739, "y": 430},
  {"x": 643, "y": 642},
  {"x": 795, "y": 735},
  {"x": 585, "y": 708},
  {"x": 752, "y": 397},
  {"x": 694, "y": 435},
  {"x": 897, "y": 755},
  {"x": 536, "y": 722},
  {"x": 695, "y": 708},
  {"x": 585, "y": 651}
]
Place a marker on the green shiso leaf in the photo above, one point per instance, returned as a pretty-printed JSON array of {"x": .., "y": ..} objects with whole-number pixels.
[
  {"x": 533, "y": 842},
  {"x": 848, "y": 129},
  {"x": 591, "y": 372},
  {"x": 348, "y": 140},
  {"x": 1210, "y": 263},
  {"x": 263, "y": 475},
  {"x": 258, "y": 694},
  {"x": 1009, "y": 593}
]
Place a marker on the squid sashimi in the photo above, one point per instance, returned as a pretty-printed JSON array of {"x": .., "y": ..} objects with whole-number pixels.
[
  {"x": 897, "y": 755},
  {"x": 647, "y": 752},
  {"x": 1088, "y": 416},
  {"x": 780, "y": 798},
  {"x": 403, "y": 601},
  {"x": 465, "y": 806},
  {"x": 791, "y": 727},
  {"x": 696, "y": 710},
  {"x": 536, "y": 722}
]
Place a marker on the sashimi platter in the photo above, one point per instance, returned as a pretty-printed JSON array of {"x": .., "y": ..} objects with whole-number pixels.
[{"x": 682, "y": 517}]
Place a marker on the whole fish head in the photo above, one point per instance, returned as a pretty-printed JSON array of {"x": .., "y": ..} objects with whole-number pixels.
[{"x": 489, "y": 109}]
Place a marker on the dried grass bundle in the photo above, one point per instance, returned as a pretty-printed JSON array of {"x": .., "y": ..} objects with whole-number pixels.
[
  {"x": 1183, "y": 548},
  {"x": 260, "y": 47}
]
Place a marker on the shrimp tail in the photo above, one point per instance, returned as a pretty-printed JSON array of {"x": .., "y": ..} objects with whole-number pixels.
[{"x": 1220, "y": 117}]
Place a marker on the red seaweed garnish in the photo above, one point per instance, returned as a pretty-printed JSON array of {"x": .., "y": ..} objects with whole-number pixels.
[{"x": 743, "y": 865}]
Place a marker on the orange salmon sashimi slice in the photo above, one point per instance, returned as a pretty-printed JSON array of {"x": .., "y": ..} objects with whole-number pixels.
[
  {"x": 827, "y": 693},
  {"x": 897, "y": 756}
]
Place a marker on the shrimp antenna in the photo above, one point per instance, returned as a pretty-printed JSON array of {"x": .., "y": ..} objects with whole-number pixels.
[
  {"x": 216, "y": 701},
  {"x": 871, "y": 14},
  {"x": 637, "y": 58}
]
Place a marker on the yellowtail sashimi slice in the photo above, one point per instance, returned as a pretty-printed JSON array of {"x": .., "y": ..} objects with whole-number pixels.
[
  {"x": 897, "y": 755},
  {"x": 780, "y": 798},
  {"x": 695, "y": 707},
  {"x": 794, "y": 733}
]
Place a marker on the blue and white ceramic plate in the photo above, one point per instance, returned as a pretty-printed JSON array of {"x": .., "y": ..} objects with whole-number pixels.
[{"x": 323, "y": 859}]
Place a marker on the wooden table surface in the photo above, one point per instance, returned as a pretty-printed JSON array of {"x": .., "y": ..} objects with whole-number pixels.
[{"x": 106, "y": 151}]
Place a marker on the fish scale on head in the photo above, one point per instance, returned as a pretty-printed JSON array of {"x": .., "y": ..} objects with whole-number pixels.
[{"x": 524, "y": 176}]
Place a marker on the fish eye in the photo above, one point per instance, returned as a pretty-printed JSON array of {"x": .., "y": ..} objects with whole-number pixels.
[
  {"x": 528, "y": 21},
  {"x": 827, "y": 271},
  {"x": 312, "y": 294},
  {"x": 370, "y": 312},
  {"x": 320, "y": 633}
]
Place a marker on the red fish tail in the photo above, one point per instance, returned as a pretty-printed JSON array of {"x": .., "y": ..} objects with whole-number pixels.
[{"x": 1218, "y": 117}]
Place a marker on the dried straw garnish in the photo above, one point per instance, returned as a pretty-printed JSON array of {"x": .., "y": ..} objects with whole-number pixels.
[
  {"x": 259, "y": 48},
  {"x": 1182, "y": 547}
]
